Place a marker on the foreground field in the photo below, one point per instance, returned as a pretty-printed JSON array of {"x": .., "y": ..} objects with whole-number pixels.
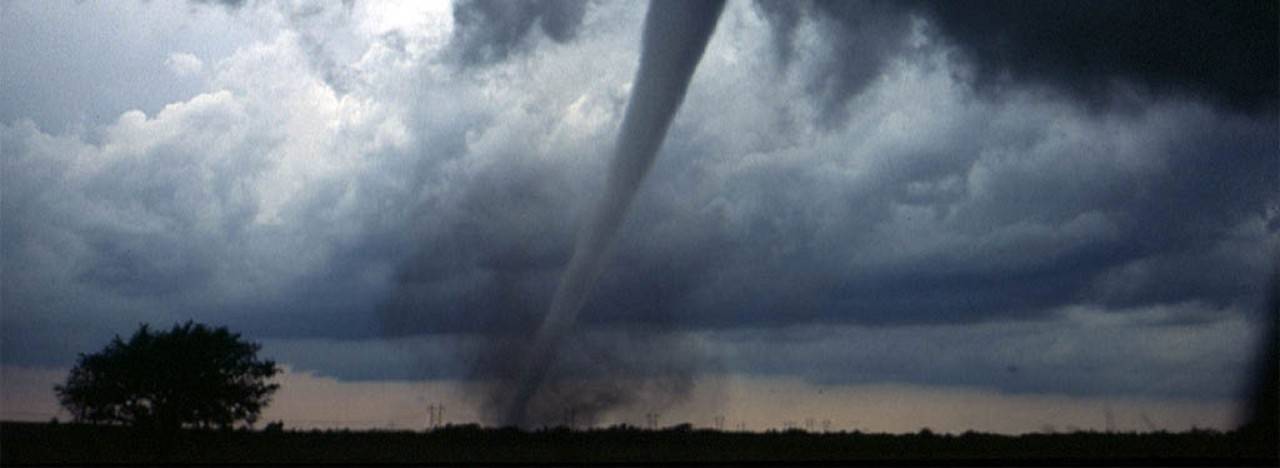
[{"x": 34, "y": 443}]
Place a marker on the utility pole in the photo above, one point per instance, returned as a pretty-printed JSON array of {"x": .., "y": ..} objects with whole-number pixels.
[
  {"x": 719, "y": 422},
  {"x": 651, "y": 419},
  {"x": 570, "y": 418},
  {"x": 826, "y": 425},
  {"x": 1110, "y": 418},
  {"x": 808, "y": 424},
  {"x": 435, "y": 415},
  {"x": 1146, "y": 420}
]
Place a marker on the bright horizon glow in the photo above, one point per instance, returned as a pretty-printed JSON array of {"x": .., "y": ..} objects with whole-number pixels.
[{"x": 307, "y": 401}]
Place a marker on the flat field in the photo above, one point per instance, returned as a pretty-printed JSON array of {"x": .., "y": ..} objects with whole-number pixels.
[{"x": 41, "y": 443}]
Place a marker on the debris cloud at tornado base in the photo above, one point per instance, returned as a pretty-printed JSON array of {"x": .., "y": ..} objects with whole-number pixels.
[{"x": 675, "y": 35}]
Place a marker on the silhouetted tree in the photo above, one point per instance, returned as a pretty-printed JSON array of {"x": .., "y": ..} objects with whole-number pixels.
[{"x": 192, "y": 375}]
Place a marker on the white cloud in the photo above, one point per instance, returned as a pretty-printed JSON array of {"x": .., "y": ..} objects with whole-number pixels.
[
  {"x": 77, "y": 65},
  {"x": 184, "y": 64}
]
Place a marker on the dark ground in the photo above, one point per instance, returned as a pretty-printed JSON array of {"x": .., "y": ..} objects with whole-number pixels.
[{"x": 39, "y": 443}]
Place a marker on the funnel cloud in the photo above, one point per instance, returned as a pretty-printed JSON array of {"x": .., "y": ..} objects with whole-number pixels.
[{"x": 675, "y": 35}]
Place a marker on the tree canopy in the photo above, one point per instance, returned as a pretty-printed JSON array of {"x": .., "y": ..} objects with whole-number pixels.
[{"x": 191, "y": 375}]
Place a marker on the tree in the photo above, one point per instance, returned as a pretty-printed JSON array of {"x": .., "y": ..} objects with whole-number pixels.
[{"x": 192, "y": 375}]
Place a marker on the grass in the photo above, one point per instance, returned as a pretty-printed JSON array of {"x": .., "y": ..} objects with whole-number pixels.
[{"x": 41, "y": 443}]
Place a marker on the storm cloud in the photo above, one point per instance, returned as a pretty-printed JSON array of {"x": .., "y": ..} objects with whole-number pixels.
[
  {"x": 1098, "y": 53},
  {"x": 1215, "y": 50},
  {"x": 901, "y": 176}
]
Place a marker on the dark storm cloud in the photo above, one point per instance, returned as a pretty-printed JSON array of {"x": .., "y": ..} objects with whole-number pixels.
[
  {"x": 1037, "y": 223},
  {"x": 1220, "y": 51},
  {"x": 143, "y": 265},
  {"x": 1032, "y": 221},
  {"x": 906, "y": 207},
  {"x": 860, "y": 37},
  {"x": 1048, "y": 224},
  {"x": 1223, "y": 51},
  {"x": 488, "y": 31},
  {"x": 488, "y": 260}
]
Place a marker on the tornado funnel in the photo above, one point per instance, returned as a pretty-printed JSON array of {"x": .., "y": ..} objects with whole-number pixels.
[{"x": 675, "y": 35}]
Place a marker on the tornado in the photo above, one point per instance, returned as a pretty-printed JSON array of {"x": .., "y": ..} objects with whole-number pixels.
[{"x": 675, "y": 35}]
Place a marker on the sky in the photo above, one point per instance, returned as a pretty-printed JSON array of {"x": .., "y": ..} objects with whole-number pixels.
[{"x": 892, "y": 215}]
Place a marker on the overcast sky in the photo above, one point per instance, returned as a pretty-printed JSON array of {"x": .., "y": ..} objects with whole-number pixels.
[{"x": 1038, "y": 201}]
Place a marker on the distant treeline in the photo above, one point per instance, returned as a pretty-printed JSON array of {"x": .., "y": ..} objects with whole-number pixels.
[{"x": 39, "y": 443}]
